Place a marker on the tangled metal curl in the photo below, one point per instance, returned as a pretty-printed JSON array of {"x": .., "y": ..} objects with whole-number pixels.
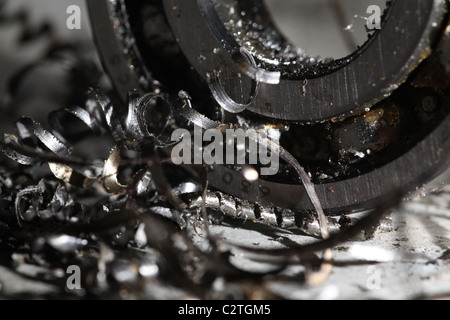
[{"x": 139, "y": 131}]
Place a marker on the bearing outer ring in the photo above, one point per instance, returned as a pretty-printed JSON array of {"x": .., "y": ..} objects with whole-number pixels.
[
  {"x": 364, "y": 78},
  {"x": 428, "y": 160}
]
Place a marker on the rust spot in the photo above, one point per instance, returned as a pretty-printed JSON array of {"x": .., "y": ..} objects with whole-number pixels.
[{"x": 372, "y": 117}]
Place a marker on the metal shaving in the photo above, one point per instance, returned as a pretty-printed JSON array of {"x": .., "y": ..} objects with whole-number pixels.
[{"x": 135, "y": 225}]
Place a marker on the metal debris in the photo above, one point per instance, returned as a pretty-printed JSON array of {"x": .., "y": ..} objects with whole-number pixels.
[{"x": 139, "y": 227}]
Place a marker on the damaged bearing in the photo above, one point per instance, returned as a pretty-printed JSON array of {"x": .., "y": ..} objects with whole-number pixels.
[{"x": 363, "y": 125}]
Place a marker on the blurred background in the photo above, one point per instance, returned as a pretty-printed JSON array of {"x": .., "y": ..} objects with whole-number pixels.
[
  {"x": 30, "y": 31},
  {"x": 323, "y": 27}
]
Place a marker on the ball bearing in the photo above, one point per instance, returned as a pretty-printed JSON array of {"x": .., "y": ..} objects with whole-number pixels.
[{"x": 363, "y": 125}]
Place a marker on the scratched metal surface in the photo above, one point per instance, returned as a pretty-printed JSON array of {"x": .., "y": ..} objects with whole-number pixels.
[{"x": 413, "y": 258}]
